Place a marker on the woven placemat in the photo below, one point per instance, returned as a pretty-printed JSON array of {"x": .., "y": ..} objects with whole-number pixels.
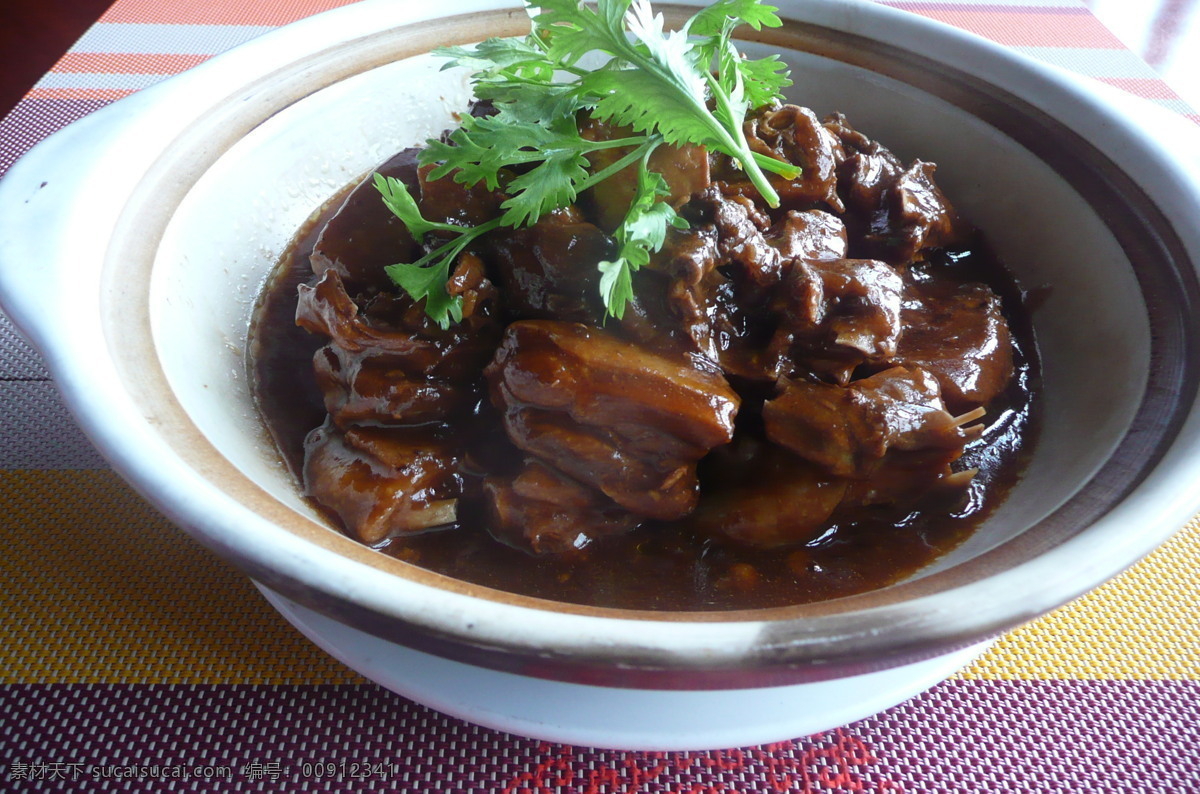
[{"x": 133, "y": 660}]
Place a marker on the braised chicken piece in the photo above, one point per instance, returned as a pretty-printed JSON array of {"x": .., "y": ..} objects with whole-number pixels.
[
  {"x": 836, "y": 315},
  {"x": 685, "y": 169},
  {"x": 848, "y": 430},
  {"x": 959, "y": 334},
  {"x": 547, "y": 512},
  {"x": 897, "y": 211},
  {"x": 364, "y": 236},
  {"x": 766, "y": 497},
  {"x": 537, "y": 268},
  {"x": 794, "y": 135},
  {"x": 389, "y": 364},
  {"x": 387, "y": 369},
  {"x": 809, "y": 235},
  {"x": 615, "y": 416},
  {"x": 383, "y": 482}
]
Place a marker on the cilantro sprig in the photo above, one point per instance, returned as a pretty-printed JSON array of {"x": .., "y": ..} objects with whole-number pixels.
[
  {"x": 642, "y": 233},
  {"x": 685, "y": 87}
]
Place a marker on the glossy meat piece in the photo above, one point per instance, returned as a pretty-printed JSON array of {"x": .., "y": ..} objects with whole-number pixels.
[
  {"x": 548, "y": 270},
  {"x": 447, "y": 201},
  {"x": 722, "y": 270},
  {"x": 375, "y": 390},
  {"x": 395, "y": 325},
  {"x": 546, "y": 512},
  {"x": 794, "y": 135},
  {"x": 364, "y": 236},
  {"x": 906, "y": 478},
  {"x": 685, "y": 169},
  {"x": 810, "y": 235},
  {"x": 898, "y": 211},
  {"x": 836, "y": 315},
  {"x": 610, "y": 414},
  {"x": 389, "y": 364},
  {"x": 768, "y": 499},
  {"x": 849, "y": 429},
  {"x": 382, "y": 482},
  {"x": 959, "y": 334},
  {"x": 726, "y": 270}
]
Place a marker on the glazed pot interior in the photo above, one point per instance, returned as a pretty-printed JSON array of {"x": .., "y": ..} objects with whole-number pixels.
[{"x": 1011, "y": 171}]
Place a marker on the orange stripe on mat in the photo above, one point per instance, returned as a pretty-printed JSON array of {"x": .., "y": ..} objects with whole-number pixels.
[
  {"x": 217, "y": 12},
  {"x": 103, "y": 94},
  {"x": 126, "y": 63},
  {"x": 1024, "y": 30}
]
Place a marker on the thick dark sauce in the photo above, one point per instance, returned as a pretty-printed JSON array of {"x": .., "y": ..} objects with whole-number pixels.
[{"x": 664, "y": 566}]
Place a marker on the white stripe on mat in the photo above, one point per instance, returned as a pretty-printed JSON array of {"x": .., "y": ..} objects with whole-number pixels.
[{"x": 128, "y": 37}]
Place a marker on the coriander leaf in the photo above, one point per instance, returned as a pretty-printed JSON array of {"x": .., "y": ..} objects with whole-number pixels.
[
  {"x": 616, "y": 286},
  {"x": 764, "y": 79},
  {"x": 397, "y": 199},
  {"x": 660, "y": 84},
  {"x": 709, "y": 21},
  {"x": 494, "y": 55},
  {"x": 551, "y": 184},
  {"x": 676, "y": 107},
  {"x": 643, "y": 232},
  {"x": 480, "y": 149},
  {"x": 639, "y": 100},
  {"x": 527, "y": 101},
  {"x": 429, "y": 284},
  {"x": 426, "y": 278}
]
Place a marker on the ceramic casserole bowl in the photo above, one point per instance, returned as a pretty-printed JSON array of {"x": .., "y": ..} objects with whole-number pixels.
[{"x": 134, "y": 245}]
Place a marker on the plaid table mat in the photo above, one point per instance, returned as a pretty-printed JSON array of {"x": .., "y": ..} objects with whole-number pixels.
[{"x": 133, "y": 660}]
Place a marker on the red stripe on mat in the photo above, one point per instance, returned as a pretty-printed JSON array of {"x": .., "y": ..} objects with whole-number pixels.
[
  {"x": 126, "y": 63},
  {"x": 218, "y": 12},
  {"x": 1021, "y": 28}
]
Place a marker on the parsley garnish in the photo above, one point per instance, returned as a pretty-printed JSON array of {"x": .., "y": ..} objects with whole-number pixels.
[{"x": 684, "y": 87}]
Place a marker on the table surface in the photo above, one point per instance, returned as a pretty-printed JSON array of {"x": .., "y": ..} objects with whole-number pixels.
[{"x": 125, "y": 646}]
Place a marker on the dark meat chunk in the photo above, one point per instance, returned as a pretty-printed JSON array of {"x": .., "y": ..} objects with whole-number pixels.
[
  {"x": 548, "y": 270},
  {"x": 725, "y": 271},
  {"x": 765, "y": 497},
  {"x": 722, "y": 273},
  {"x": 548, "y": 513},
  {"x": 810, "y": 235},
  {"x": 394, "y": 325},
  {"x": 685, "y": 169},
  {"x": 382, "y": 482},
  {"x": 740, "y": 239},
  {"x": 390, "y": 364},
  {"x": 849, "y": 429},
  {"x": 391, "y": 338},
  {"x": 376, "y": 390},
  {"x": 836, "y": 315},
  {"x": 899, "y": 211},
  {"x": 448, "y": 201},
  {"x": 364, "y": 236},
  {"x": 609, "y": 413},
  {"x": 735, "y": 226},
  {"x": 794, "y": 135},
  {"x": 959, "y": 334},
  {"x": 905, "y": 478}
]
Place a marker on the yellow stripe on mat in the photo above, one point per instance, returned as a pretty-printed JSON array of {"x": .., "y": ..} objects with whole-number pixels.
[
  {"x": 1144, "y": 624},
  {"x": 101, "y": 589}
]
